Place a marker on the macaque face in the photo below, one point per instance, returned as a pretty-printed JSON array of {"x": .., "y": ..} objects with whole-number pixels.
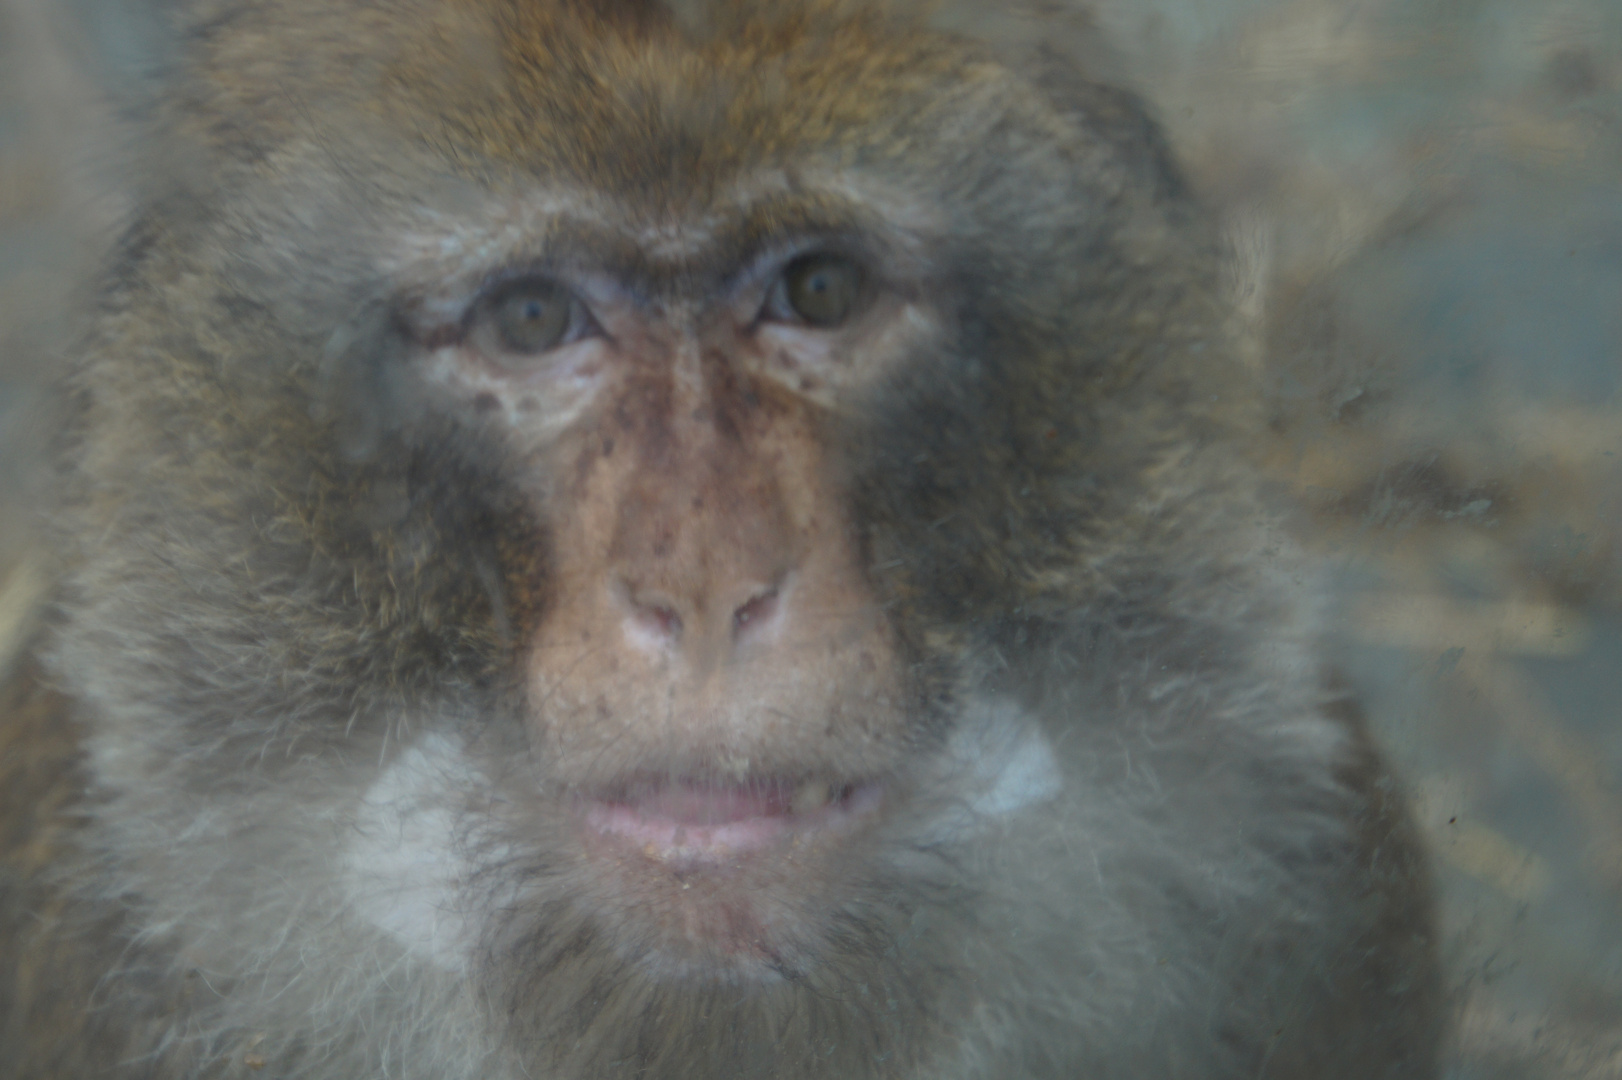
[
  {"x": 608, "y": 547},
  {"x": 716, "y": 700},
  {"x": 717, "y": 703}
]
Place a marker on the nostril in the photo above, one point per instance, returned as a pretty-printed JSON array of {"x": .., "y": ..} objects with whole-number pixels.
[
  {"x": 754, "y": 611},
  {"x": 649, "y": 615},
  {"x": 659, "y": 620}
]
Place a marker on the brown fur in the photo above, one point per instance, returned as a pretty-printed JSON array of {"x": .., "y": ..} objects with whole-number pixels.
[{"x": 332, "y": 627}]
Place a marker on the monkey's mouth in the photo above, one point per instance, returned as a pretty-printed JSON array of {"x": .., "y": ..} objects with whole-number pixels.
[{"x": 684, "y": 821}]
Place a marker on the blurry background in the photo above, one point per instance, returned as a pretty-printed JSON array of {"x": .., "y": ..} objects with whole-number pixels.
[{"x": 1424, "y": 204}]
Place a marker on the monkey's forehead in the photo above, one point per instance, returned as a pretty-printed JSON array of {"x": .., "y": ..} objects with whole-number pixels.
[
  {"x": 624, "y": 100},
  {"x": 622, "y": 96}
]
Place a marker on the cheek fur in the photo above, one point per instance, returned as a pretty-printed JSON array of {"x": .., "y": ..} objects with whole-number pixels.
[{"x": 926, "y": 695}]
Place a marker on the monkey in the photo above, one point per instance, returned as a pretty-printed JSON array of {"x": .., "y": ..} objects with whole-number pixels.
[{"x": 628, "y": 539}]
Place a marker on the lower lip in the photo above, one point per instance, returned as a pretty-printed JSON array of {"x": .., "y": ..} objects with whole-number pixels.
[{"x": 693, "y": 825}]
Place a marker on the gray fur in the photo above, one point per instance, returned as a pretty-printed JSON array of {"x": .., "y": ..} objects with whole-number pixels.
[{"x": 273, "y": 814}]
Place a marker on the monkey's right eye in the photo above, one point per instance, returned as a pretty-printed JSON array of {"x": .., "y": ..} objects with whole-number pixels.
[{"x": 529, "y": 317}]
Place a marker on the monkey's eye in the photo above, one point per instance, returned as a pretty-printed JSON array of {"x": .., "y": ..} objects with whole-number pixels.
[
  {"x": 530, "y": 316},
  {"x": 820, "y": 290}
]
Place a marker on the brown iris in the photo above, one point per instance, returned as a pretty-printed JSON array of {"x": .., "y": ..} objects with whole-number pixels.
[{"x": 823, "y": 290}]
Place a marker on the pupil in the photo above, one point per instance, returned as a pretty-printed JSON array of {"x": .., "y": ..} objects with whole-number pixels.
[{"x": 822, "y": 290}]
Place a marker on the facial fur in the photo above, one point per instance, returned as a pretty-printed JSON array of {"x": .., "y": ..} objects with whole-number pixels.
[{"x": 602, "y": 541}]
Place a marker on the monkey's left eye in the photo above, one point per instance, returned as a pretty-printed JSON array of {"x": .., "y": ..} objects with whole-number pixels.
[
  {"x": 530, "y": 316},
  {"x": 820, "y": 290}
]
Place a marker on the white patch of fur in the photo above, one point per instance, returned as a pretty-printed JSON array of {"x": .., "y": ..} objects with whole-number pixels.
[
  {"x": 1000, "y": 762},
  {"x": 673, "y": 241},
  {"x": 403, "y": 869}
]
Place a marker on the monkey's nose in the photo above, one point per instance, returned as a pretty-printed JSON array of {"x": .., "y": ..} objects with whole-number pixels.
[{"x": 700, "y": 624}]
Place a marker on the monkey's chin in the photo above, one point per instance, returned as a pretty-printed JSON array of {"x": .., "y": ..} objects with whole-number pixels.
[{"x": 689, "y": 825}]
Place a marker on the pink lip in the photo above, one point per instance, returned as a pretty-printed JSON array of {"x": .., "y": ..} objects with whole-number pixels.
[{"x": 704, "y": 822}]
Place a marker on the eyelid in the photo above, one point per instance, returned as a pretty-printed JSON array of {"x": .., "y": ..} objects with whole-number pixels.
[
  {"x": 582, "y": 323},
  {"x": 774, "y": 306}
]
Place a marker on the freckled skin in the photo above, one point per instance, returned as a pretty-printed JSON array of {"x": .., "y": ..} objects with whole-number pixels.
[{"x": 697, "y": 686}]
